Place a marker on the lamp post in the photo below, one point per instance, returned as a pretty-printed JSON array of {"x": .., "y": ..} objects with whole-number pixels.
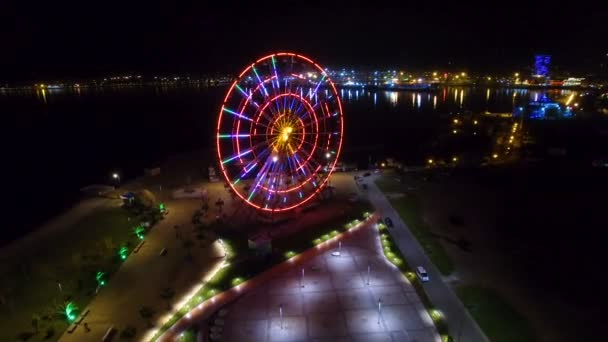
[
  {"x": 116, "y": 177},
  {"x": 281, "y": 314},
  {"x": 369, "y": 267},
  {"x": 302, "y": 279},
  {"x": 379, "y": 309}
]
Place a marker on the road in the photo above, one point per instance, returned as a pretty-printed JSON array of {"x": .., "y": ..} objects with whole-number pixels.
[{"x": 460, "y": 323}]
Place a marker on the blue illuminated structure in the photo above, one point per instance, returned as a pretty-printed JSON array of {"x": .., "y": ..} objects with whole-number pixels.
[
  {"x": 543, "y": 109},
  {"x": 541, "y": 65}
]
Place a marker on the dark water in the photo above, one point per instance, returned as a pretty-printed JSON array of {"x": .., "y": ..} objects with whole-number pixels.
[{"x": 57, "y": 141}]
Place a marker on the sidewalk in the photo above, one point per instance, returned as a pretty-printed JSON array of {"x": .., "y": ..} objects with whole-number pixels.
[{"x": 460, "y": 323}]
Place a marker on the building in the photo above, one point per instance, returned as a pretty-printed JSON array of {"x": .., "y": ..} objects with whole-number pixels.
[{"x": 541, "y": 66}]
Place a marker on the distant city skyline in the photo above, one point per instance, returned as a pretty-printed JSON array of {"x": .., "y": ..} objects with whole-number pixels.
[{"x": 56, "y": 40}]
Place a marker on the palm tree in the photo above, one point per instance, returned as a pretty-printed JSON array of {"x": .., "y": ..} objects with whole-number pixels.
[{"x": 69, "y": 310}]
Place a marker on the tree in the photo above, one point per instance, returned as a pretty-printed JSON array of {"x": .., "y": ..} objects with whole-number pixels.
[
  {"x": 146, "y": 314},
  {"x": 219, "y": 204},
  {"x": 167, "y": 293},
  {"x": 188, "y": 243},
  {"x": 205, "y": 208},
  {"x": 35, "y": 321}
]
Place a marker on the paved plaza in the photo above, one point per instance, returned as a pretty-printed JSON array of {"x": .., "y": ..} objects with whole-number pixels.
[{"x": 334, "y": 301}]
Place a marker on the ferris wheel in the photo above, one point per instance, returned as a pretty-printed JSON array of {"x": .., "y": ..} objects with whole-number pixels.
[{"x": 279, "y": 132}]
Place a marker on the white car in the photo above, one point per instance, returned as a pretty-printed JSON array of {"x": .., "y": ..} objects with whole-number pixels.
[{"x": 422, "y": 275}]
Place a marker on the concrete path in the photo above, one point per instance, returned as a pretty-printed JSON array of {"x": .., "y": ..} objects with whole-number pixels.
[
  {"x": 140, "y": 279},
  {"x": 461, "y": 325},
  {"x": 333, "y": 301}
]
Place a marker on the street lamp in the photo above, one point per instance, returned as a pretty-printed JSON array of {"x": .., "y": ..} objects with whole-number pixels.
[
  {"x": 379, "y": 309},
  {"x": 116, "y": 176}
]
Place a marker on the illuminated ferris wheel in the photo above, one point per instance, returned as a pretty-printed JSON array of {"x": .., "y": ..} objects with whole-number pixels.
[{"x": 279, "y": 132}]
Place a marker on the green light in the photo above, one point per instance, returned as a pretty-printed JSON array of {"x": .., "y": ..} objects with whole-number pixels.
[
  {"x": 236, "y": 281},
  {"x": 161, "y": 207},
  {"x": 71, "y": 311},
  {"x": 100, "y": 277},
  {"x": 139, "y": 232},
  {"x": 123, "y": 252},
  {"x": 435, "y": 314},
  {"x": 290, "y": 254},
  {"x": 317, "y": 241}
]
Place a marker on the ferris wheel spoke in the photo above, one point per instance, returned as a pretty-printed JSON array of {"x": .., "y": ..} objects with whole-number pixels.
[
  {"x": 318, "y": 85},
  {"x": 237, "y": 114},
  {"x": 244, "y": 152},
  {"x": 248, "y": 97},
  {"x": 276, "y": 87},
  {"x": 260, "y": 82},
  {"x": 301, "y": 181}
]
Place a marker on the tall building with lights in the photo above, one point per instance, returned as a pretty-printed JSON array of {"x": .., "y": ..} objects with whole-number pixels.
[{"x": 541, "y": 65}]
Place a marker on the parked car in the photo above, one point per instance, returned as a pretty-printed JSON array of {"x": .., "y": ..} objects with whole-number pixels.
[
  {"x": 367, "y": 174},
  {"x": 388, "y": 222},
  {"x": 422, "y": 275}
]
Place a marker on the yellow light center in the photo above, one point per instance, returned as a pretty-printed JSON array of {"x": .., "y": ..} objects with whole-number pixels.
[
  {"x": 285, "y": 137},
  {"x": 285, "y": 133}
]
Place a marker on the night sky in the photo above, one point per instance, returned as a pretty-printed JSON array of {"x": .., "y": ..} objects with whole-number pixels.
[{"x": 95, "y": 38}]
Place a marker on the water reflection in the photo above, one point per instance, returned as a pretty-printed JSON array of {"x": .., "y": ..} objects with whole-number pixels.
[
  {"x": 393, "y": 97},
  {"x": 445, "y": 100},
  {"x": 449, "y": 99}
]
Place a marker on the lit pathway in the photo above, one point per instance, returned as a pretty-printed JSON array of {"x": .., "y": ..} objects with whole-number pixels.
[
  {"x": 461, "y": 325},
  {"x": 335, "y": 304}
]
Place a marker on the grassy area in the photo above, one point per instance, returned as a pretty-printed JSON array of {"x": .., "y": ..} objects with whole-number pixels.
[
  {"x": 61, "y": 267},
  {"x": 393, "y": 254},
  {"x": 241, "y": 265},
  {"x": 499, "y": 320},
  {"x": 410, "y": 212}
]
